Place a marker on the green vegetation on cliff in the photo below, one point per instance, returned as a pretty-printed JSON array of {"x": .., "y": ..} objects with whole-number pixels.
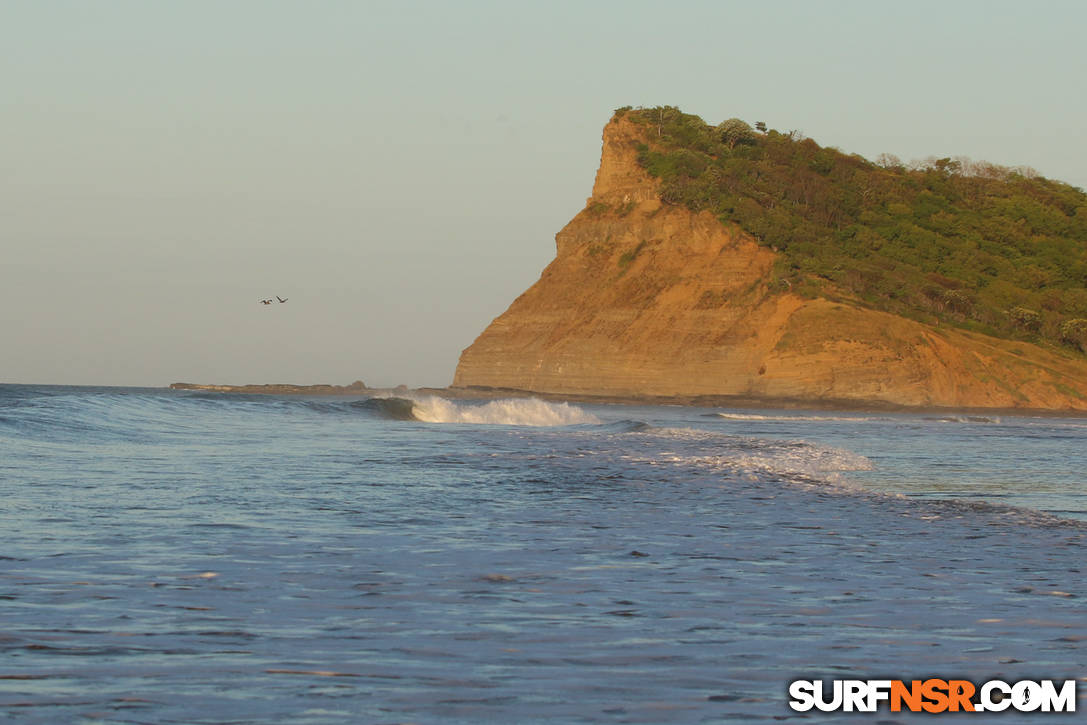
[{"x": 976, "y": 245}]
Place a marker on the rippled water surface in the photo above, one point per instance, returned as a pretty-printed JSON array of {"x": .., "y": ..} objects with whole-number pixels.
[{"x": 180, "y": 557}]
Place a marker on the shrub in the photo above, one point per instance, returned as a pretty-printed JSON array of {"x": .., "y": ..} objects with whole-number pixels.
[
  {"x": 1074, "y": 332},
  {"x": 1024, "y": 319}
]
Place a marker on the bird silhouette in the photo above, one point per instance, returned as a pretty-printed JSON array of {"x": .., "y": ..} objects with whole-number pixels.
[
  {"x": 281, "y": 300},
  {"x": 266, "y": 302}
]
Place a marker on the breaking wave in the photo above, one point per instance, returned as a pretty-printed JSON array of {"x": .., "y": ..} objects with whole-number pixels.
[
  {"x": 126, "y": 414},
  {"x": 520, "y": 411}
]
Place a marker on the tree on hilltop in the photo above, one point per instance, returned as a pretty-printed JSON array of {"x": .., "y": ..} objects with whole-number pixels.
[{"x": 734, "y": 131}]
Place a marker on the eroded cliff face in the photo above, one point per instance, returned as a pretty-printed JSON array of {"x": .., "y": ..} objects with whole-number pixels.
[{"x": 650, "y": 299}]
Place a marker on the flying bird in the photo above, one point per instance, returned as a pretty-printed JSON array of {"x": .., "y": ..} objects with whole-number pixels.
[
  {"x": 281, "y": 300},
  {"x": 266, "y": 302}
]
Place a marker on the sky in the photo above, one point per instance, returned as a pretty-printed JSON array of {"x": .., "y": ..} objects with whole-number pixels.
[{"x": 398, "y": 170}]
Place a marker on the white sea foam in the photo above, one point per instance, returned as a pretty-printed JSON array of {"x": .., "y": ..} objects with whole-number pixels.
[
  {"x": 812, "y": 462},
  {"x": 808, "y": 461},
  {"x": 520, "y": 411},
  {"x": 795, "y": 459},
  {"x": 757, "y": 417}
]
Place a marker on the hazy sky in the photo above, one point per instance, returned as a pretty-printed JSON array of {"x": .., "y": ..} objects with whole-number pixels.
[{"x": 398, "y": 170}]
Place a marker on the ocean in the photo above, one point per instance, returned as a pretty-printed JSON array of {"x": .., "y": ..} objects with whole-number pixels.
[{"x": 185, "y": 557}]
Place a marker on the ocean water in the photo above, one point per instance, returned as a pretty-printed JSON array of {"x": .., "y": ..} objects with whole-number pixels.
[{"x": 178, "y": 557}]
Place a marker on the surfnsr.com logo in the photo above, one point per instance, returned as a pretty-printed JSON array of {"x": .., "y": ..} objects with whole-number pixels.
[{"x": 933, "y": 695}]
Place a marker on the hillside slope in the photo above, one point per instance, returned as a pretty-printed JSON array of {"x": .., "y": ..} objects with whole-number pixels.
[{"x": 649, "y": 298}]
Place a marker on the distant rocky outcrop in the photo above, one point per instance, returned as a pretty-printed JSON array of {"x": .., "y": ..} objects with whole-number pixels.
[
  {"x": 277, "y": 388},
  {"x": 646, "y": 298}
]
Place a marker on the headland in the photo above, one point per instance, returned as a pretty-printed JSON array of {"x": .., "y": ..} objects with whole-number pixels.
[{"x": 665, "y": 287}]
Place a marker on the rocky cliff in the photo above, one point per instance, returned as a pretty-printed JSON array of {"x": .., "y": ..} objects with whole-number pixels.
[{"x": 650, "y": 299}]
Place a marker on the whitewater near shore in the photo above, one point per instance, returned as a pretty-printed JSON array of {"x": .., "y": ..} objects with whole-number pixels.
[{"x": 210, "y": 557}]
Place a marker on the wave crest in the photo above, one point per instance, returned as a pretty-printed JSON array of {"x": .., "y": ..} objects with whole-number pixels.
[
  {"x": 519, "y": 411},
  {"x": 392, "y": 408}
]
